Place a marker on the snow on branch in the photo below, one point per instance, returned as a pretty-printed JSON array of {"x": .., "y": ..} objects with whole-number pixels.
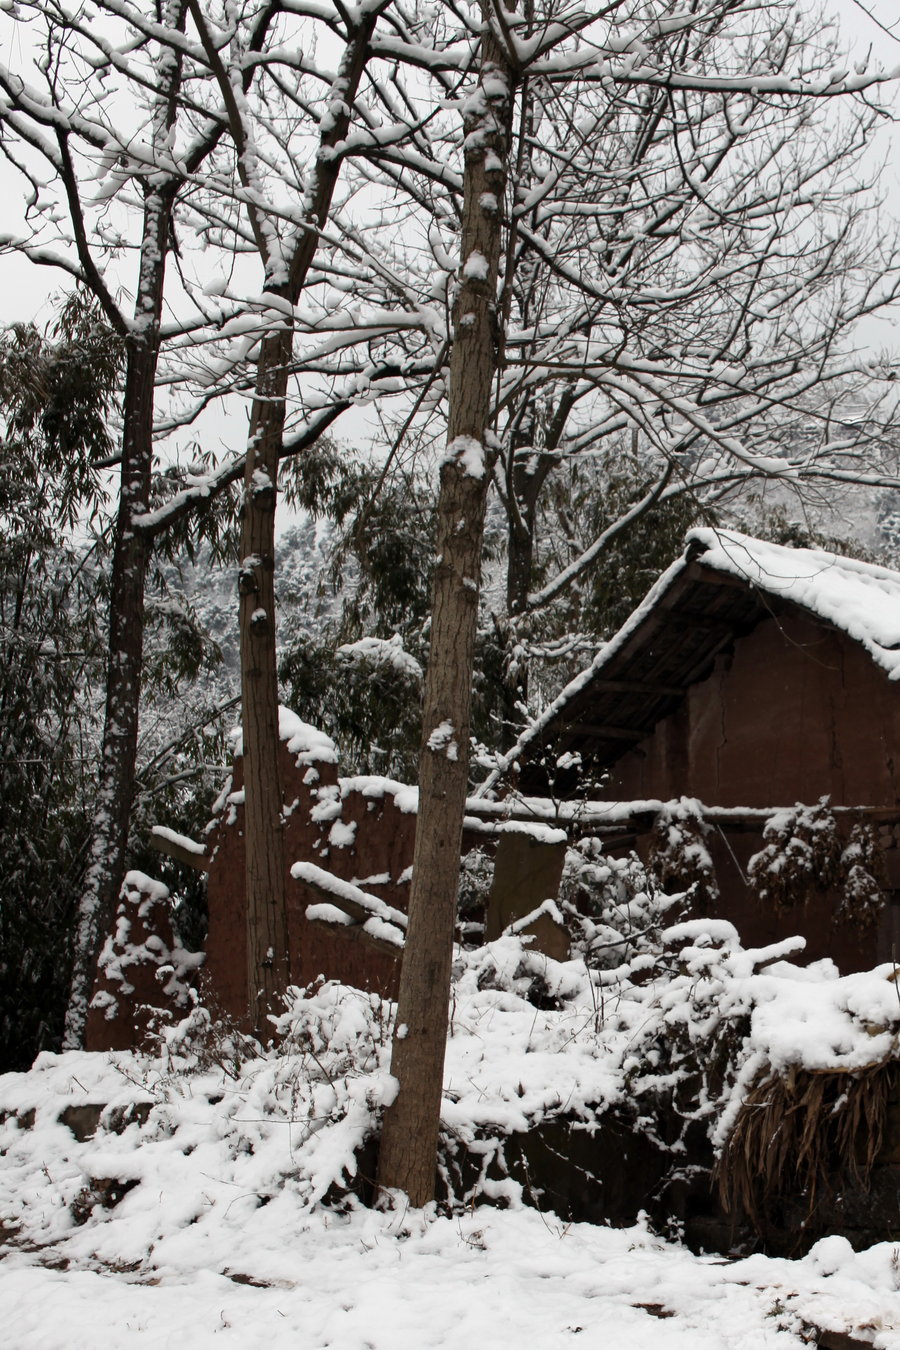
[{"x": 349, "y": 907}]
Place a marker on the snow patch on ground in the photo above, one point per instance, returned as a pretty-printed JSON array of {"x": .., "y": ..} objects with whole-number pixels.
[{"x": 402, "y": 1281}]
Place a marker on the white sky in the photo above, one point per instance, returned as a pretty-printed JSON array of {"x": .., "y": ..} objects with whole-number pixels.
[
  {"x": 27, "y": 289},
  {"x": 861, "y": 33}
]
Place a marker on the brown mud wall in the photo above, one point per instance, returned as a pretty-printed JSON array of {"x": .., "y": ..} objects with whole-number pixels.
[
  {"x": 792, "y": 712},
  {"x": 377, "y": 859}
]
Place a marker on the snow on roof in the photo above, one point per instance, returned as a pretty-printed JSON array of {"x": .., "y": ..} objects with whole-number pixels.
[{"x": 860, "y": 599}]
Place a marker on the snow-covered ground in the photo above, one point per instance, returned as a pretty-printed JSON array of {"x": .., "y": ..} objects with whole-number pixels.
[
  {"x": 197, "y": 1195},
  {"x": 369, "y": 1281}
]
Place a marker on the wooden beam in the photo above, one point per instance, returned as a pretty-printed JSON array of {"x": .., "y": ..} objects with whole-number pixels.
[
  {"x": 358, "y": 913},
  {"x": 164, "y": 842},
  {"x": 603, "y": 732},
  {"x": 639, "y": 687},
  {"x": 621, "y": 840},
  {"x": 700, "y": 622},
  {"x": 612, "y": 816},
  {"x": 341, "y": 896},
  {"x": 357, "y": 933}
]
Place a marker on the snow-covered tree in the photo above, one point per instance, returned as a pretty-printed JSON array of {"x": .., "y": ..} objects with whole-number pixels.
[
  {"x": 714, "y": 329},
  {"x": 681, "y": 251},
  {"x": 688, "y": 251},
  {"x": 116, "y": 118},
  {"x": 409, "y": 1138},
  {"x": 287, "y": 242},
  {"x": 93, "y": 126}
]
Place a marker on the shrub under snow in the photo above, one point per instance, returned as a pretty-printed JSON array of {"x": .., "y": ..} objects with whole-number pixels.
[{"x": 207, "y": 1135}]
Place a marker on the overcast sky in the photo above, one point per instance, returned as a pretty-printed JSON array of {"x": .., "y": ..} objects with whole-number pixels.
[{"x": 866, "y": 25}]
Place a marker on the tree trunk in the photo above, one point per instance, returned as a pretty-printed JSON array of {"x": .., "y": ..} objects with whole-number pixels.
[
  {"x": 525, "y": 481},
  {"x": 409, "y": 1140},
  {"x": 267, "y": 937},
  {"x": 115, "y": 788},
  {"x": 267, "y": 940},
  {"x": 524, "y": 485}
]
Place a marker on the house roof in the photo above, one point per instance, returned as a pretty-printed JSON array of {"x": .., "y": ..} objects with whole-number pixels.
[{"x": 719, "y": 589}]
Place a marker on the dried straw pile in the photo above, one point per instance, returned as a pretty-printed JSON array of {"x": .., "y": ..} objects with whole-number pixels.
[{"x": 810, "y": 1135}]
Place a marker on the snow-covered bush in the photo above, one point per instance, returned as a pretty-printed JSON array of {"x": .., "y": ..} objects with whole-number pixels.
[
  {"x": 613, "y": 907},
  {"x": 862, "y": 867},
  {"x": 208, "y": 1132},
  {"x": 680, "y": 858},
  {"x": 476, "y": 874},
  {"x": 804, "y": 851}
]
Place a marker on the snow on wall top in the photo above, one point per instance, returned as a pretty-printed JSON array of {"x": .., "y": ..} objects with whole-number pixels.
[
  {"x": 310, "y": 745},
  {"x": 860, "y": 599}
]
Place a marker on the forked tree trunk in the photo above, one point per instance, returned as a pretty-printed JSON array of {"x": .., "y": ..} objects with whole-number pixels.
[
  {"x": 267, "y": 936},
  {"x": 525, "y": 483},
  {"x": 524, "y": 486},
  {"x": 409, "y": 1139},
  {"x": 131, "y": 551}
]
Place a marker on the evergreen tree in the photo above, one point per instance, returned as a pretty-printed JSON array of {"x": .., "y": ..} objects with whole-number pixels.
[{"x": 54, "y": 394}]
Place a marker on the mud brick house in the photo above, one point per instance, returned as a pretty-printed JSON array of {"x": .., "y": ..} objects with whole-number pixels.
[
  {"x": 753, "y": 677},
  {"x": 745, "y": 725}
]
